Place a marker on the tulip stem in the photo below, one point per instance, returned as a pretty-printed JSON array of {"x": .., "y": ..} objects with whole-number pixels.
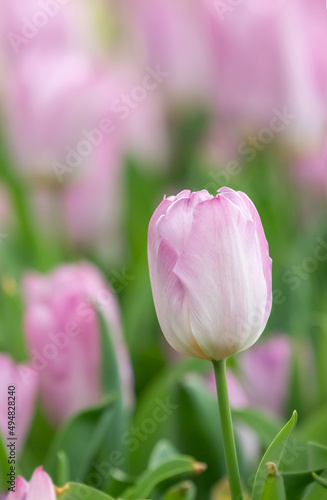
[{"x": 227, "y": 431}]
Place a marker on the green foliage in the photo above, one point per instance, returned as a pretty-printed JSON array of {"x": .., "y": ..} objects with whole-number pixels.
[{"x": 275, "y": 454}]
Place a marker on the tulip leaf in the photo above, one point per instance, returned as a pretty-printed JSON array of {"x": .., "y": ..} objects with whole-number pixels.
[
  {"x": 183, "y": 491},
  {"x": 320, "y": 480},
  {"x": 317, "y": 490},
  {"x": 162, "y": 451},
  {"x": 303, "y": 460},
  {"x": 75, "y": 491},
  {"x": 109, "y": 364},
  {"x": 80, "y": 439},
  {"x": 111, "y": 383},
  {"x": 198, "y": 428},
  {"x": 314, "y": 427},
  {"x": 274, "y": 454},
  {"x": 317, "y": 456},
  {"x": 160, "y": 394},
  {"x": 168, "y": 469}
]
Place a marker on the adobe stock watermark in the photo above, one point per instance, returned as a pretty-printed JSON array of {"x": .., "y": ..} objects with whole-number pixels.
[
  {"x": 86, "y": 313},
  {"x": 131, "y": 439},
  {"x": 121, "y": 108},
  {"x": 298, "y": 273},
  {"x": 223, "y": 7},
  {"x": 32, "y": 26},
  {"x": 249, "y": 147}
]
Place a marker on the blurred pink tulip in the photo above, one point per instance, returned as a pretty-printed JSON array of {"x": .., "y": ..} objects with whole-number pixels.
[
  {"x": 62, "y": 136},
  {"x": 45, "y": 26},
  {"x": 53, "y": 105},
  {"x": 210, "y": 272},
  {"x": 286, "y": 70},
  {"x": 248, "y": 74},
  {"x": 265, "y": 372},
  {"x": 71, "y": 122},
  {"x": 174, "y": 37},
  {"x": 263, "y": 376},
  {"x": 40, "y": 487},
  {"x": 25, "y": 382},
  {"x": 62, "y": 333}
]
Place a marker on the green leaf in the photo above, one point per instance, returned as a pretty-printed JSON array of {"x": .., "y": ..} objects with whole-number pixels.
[
  {"x": 119, "y": 421},
  {"x": 162, "y": 451},
  {"x": 320, "y": 480},
  {"x": 161, "y": 390},
  {"x": 80, "y": 439},
  {"x": 314, "y": 427},
  {"x": 183, "y": 491},
  {"x": 75, "y": 491},
  {"x": 168, "y": 469},
  {"x": 36, "y": 448},
  {"x": 198, "y": 428},
  {"x": 109, "y": 364},
  {"x": 273, "y": 454},
  {"x": 297, "y": 473},
  {"x": 317, "y": 456},
  {"x": 305, "y": 459},
  {"x": 316, "y": 491}
]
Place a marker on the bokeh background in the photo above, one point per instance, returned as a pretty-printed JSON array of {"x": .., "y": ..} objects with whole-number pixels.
[{"x": 107, "y": 106}]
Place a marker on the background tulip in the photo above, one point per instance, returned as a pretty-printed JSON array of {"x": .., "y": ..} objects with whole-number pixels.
[
  {"x": 174, "y": 37},
  {"x": 40, "y": 486},
  {"x": 62, "y": 334},
  {"x": 210, "y": 272},
  {"x": 267, "y": 364},
  {"x": 25, "y": 382}
]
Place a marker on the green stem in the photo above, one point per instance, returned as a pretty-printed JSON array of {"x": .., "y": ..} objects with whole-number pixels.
[{"x": 227, "y": 430}]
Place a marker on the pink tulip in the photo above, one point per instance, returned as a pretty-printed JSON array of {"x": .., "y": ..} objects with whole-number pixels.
[
  {"x": 248, "y": 74},
  {"x": 25, "y": 382},
  {"x": 173, "y": 35},
  {"x": 44, "y": 26},
  {"x": 53, "y": 105},
  {"x": 63, "y": 337},
  {"x": 210, "y": 272},
  {"x": 265, "y": 372},
  {"x": 286, "y": 70},
  {"x": 69, "y": 130},
  {"x": 262, "y": 377},
  {"x": 40, "y": 487},
  {"x": 62, "y": 135}
]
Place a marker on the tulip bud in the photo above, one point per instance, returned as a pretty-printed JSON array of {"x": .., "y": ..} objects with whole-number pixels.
[
  {"x": 210, "y": 272},
  {"x": 63, "y": 337},
  {"x": 40, "y": 486},
  {"x": 18, "y": 388}
]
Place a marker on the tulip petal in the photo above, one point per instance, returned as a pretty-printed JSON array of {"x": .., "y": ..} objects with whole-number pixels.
[
  {"x": 41, "y": 486},
  {"x": 171, "y": 307},
  {"x": 175, "y": 225},
  {"x": 21, "y": 489},
  {"x": 221, "y": 270}
]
